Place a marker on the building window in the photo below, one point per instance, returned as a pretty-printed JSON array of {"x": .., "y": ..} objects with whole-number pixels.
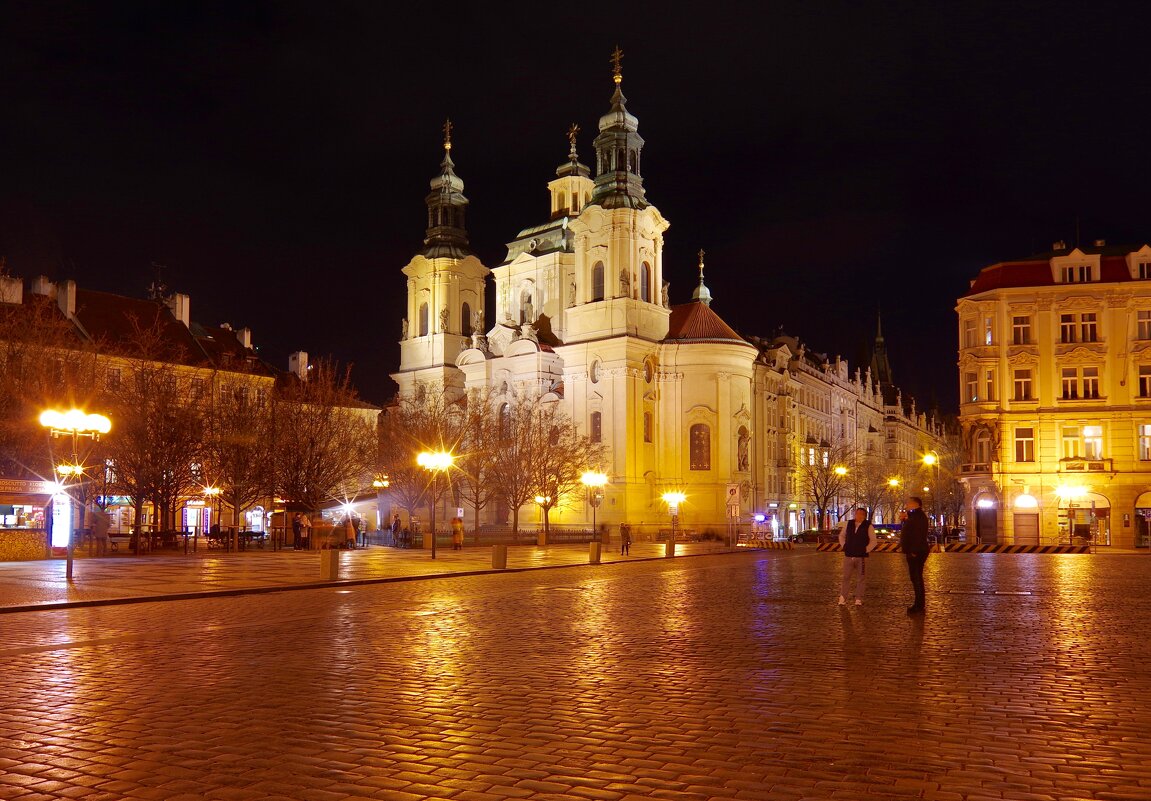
[
  {"x": 597, "y": 281},
  {"x": 988, "y": 330},
  {"x": 1071, "y": 442},
  {"x": 1088, "y": 325},
  {"x": 647, "y": 426},
  {"x": 970, "y": 387},
  {"x": 983, "y": 447},
  {"x": 596, "y": 427},
  {"x": 1143, "y": 329},
  {"x": 700, "y": 447},
  {"x": 1145, "y": 443},
  {"x": 811, "y": 457},
  {"x": 466, "y": 320},
  {"x": 423, "y": 319},
  {"x": 1025, "y": 444},
  {"x": 1066, "y": 328},
  {"x": 1091, "y": 382},
  {"x": 1021, "y": 330},
  {"x": 645, "y": 282},
  {"x": 262, "y": 397},
  {"x": 1144, "y": 270},
  {"x": 1076, "y": 273},
  {"x": 1022, "y": 385},
  {"x": 989, "y": 385},
  {"x": 198, "y": 388},
  {"x": 1145, "y": 381},
  {"x": 113, "y": 378},
  {"x": 1092, "y": 442},
  {"x": 1070, "y": 383},
  {"x": 969, "y": 333}
]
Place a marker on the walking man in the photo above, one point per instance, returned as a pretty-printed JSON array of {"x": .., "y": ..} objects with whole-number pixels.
[
  {"x": 857, "y": 538},
  {"x": 913, "y": 543}
]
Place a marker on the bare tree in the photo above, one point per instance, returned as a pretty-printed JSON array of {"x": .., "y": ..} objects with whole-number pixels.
[
  {"x": 238, "y": 430},
  {"x": 479, "y": 452},
  {"x": 869, "y": 484},
  {"x": 823, "y": 475},
  {"x": 564, "y": 455},
  {"x": 326, "y": 439}
]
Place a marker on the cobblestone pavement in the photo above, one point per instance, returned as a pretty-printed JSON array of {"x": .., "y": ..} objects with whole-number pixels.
[
  {"x": 731, "y": 676},
  {"x": 41, "y": 583}
]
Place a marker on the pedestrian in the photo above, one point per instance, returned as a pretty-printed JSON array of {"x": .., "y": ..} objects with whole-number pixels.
[
  {"x": 100, "y": 525},
  {"x": 913, "y": 543},
  {"x": 396, "y": 530},
  {"x": 857, "y": 538},
  {"x": 457, "y": 533},
  {"x": 306, "y": 531},
  {"x": 624, "y": 539},
  {"x": 297, "y": 532},
  {"x": 349, "y": 533}
]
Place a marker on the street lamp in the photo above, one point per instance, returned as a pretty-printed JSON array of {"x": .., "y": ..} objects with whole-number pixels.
[
  {"x": 931, "y": 459},
  {"x": 840, "y": 471},
  {"x": 594, "y": 482},
  {"x": 436, "y": 462},
  {"x": 78, "y": 424},
  {"x": 673, "y": 500}
]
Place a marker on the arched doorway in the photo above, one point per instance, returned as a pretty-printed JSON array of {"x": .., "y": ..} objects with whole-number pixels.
[
  {"x": 987, "y": 519},
  {"x": 1143, "y": 520},
  {"x": 1084, "y": 517}
]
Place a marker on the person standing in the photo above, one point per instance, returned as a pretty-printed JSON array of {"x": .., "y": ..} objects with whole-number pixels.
[
  {"x": 306, "y": 531},
  {"x": 913, "y": 543},
  {"x": 457, "y": 534},
  {"x": 297, "y": 532},
  {"x": 625, "y": 539},
  {"x": 857, "y": 538},
  {"x": 100, "y": 525},
  {"x": 396, "y": 530}
]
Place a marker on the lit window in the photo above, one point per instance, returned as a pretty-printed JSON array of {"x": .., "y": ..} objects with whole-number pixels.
[
  {"x": 1143, "y": 330},
  {"x": 1025, "y": 444},
  {"x": 1022, "y": 385},
  {"x": 700, "y": 447},
  {"x": 1021, "y": 330},
  {"x": 1067, "y": 328},
  {"x": 1145, "y": 381},
  {"x": 1093, "y": 442},
  {"x": 988, "y": 330},
  {"x": 1089, "y": 327},
  {"x": 1071, "y": 442},
  {"x": 1145, "y": 443}
]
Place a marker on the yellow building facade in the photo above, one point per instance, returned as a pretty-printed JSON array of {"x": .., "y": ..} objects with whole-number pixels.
[{"x": 1055, "y": 397}]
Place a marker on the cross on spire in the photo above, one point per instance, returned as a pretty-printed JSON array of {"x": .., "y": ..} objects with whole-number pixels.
[
  {"x": 701, "y": 254},
  {"x": 572, "y": 132},
  {"x": 447, "y": 134},
  {"x": 616, "y": 67}
]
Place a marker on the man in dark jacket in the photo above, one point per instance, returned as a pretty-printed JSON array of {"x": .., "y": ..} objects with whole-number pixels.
[{"x": 913, "y": 543}]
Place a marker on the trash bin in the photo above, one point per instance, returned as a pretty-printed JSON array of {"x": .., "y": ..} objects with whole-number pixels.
[
  {"x": 330, "y": 564},
  {"x": 593, "y": 552},
  {"x": 499, "y": 557}
]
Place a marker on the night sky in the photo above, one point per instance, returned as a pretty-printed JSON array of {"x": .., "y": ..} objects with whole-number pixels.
[{"x": 831, "y": 157}]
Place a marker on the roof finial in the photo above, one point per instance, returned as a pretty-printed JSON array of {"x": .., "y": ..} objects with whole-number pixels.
[
  {"x": 447, "y": 134},
  {"x": 616, "y": 68},
  {"x": 701, "y": 255},
  {"x": 701, "y": 293},
  {"x": 572, "y": 132}
]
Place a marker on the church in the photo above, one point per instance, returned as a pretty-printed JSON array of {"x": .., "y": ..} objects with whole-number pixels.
[{"x": 583, "y": 317}]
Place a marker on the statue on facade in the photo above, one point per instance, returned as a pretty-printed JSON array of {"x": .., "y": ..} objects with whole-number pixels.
[
  {"x": 624, "y": 283},
  {"x": 444, "y": 320},
  {"x": 572, "y": 294},
  {"x": 527, "y": 332},
  {"x": 478, "y": 327},
  {"x": 664, "y": 295},
  {"x": 404, "y": 329},
  {"x": 743, "y": 460}
]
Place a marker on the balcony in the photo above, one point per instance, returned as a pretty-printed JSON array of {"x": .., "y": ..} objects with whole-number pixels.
[
  {"x": 1084, "y": 465},
  {"x": 975, "y": 468}
]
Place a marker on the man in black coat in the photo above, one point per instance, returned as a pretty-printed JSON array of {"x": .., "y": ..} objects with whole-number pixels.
[{"x": 913, "y": 543}]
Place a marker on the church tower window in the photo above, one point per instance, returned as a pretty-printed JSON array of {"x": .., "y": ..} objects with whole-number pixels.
[
  {"x": 597, "y": 281},
  {"x": 466, "y": 320},
  {"x": 423, "y": 319},
  {"x": 700, "y": 447},
  {"x": 596, "y": 427},
  {"x": 645, "y": 282}
]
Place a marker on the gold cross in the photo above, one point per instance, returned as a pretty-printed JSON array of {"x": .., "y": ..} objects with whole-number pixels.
[
  {"x": 447, "y": 134},
  {"x": 572, "y": 131},
  {"x": 701, "y": 262},
  {"x": 616, "y": 69}
]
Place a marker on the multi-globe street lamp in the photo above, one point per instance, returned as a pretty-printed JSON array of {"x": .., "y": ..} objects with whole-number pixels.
[
  {"x": 594, "y": 481},
  {"x": 673, "y": 500},
  {"x": 436, "y": 462},
  {"x": 75, "y": 423}
]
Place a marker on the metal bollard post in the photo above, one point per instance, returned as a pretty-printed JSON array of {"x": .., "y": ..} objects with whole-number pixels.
[
  {"x": 330, "y": 564},
  {"x": 593, "y": 553},
  {"x": 499, "y": 557}
]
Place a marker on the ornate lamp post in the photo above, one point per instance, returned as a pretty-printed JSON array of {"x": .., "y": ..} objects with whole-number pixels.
[
  {"x": 673, "y": 500},
  {"x": 594, "y": 482},
  {"x": 78, "y": 424},
  {"x": 931, "y": 459},
  {"x": 437, "y": 462}
]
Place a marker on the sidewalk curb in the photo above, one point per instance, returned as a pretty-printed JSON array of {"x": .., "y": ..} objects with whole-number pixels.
[{"x": 319, "y": 585}]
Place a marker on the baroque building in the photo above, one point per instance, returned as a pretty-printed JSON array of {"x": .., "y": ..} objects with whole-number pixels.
[
  {"x": 583, "y": 317},
  {"x": 1055, "y": 404}
]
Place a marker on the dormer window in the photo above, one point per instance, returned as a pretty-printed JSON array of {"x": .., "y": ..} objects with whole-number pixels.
[
  {"x": 1076, "y": 273},
  {"x": 1144, "y": 270}
]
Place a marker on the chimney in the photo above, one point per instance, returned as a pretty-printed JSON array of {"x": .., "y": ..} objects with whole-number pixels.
[
  {"x": 1100, "y": 243},
  {"x": 181, "y": 308},
  {"x": 11, "y": 289},
  {"x": 66, "y": 298},
  {"x": 1059, "y": 244},
  {"x": 245, "y": 337},
  {"x": 298, "y": 364},
  {"x": 42, "y": 286}
]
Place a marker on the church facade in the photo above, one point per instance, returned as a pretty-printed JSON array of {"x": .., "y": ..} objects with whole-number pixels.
[{"x": 583, "y": 317}]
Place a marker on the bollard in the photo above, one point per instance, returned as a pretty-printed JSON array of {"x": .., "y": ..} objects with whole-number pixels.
[
  {"x": 669, "y": 548},
  {"x": 593, "y": 551},
  {"x": 329, "y": 564},
  {"x": 499, "y": 557}
]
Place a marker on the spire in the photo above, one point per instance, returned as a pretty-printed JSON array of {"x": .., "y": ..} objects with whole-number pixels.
[
  {"x": 618, "y": 183},
  {"x": 701, "y": 294},
  {"x": 446, "y": 233},
  {"x": 880, "y": 365},
  {"x": 879, "y": 324},
  {"x": 572, "y": 166}
]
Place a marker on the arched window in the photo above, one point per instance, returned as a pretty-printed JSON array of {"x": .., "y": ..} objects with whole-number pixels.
[
  {"x": 527, "y": 310},
  {"x": 562, "y": 201},
  {"x": 596, "y": 433},
  {"x": 423, "y": 319},
  {"x": 700, "y": 447},
  {"x": 466, "y": 320},
  {"x": 983, "y": 447},
  {"x": 647, "y": 427},
  {"x": 505, "y": 419},
  {"x": 645, "y": 282},
  {"x": 597, "y": 281}
]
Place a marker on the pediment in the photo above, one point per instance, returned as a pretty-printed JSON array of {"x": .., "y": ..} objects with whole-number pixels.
[
  {"x": 471, "y": 356},
  {"x": 1080, "y": 355},
  {"x": 1022, "y": 358}
]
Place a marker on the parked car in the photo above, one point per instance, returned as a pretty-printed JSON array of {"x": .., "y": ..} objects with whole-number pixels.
[
  {"x": 886, "y": 531},
  {"x": 815, "y": 535}
]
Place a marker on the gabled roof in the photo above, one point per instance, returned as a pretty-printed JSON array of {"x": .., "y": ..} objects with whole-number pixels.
[
  {"x": 116, "y": 322},
  {"x": 1036, "y": 270},
  {"x": 696, "y": 322}
]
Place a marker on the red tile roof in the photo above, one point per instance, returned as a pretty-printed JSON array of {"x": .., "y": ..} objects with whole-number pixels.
[
  {"x": 696, "y": 322},
  {"x": 1037, "y": 272}
]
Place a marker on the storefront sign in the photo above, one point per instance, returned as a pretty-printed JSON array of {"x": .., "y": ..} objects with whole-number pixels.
[{"x": 17, "y": 487}]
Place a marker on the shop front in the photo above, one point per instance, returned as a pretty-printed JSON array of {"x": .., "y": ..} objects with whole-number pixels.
[
  {"x": 1084, "y": 518},
  {"x": 25, "y": 508},
  {"x": 1143, "y": 520}
]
